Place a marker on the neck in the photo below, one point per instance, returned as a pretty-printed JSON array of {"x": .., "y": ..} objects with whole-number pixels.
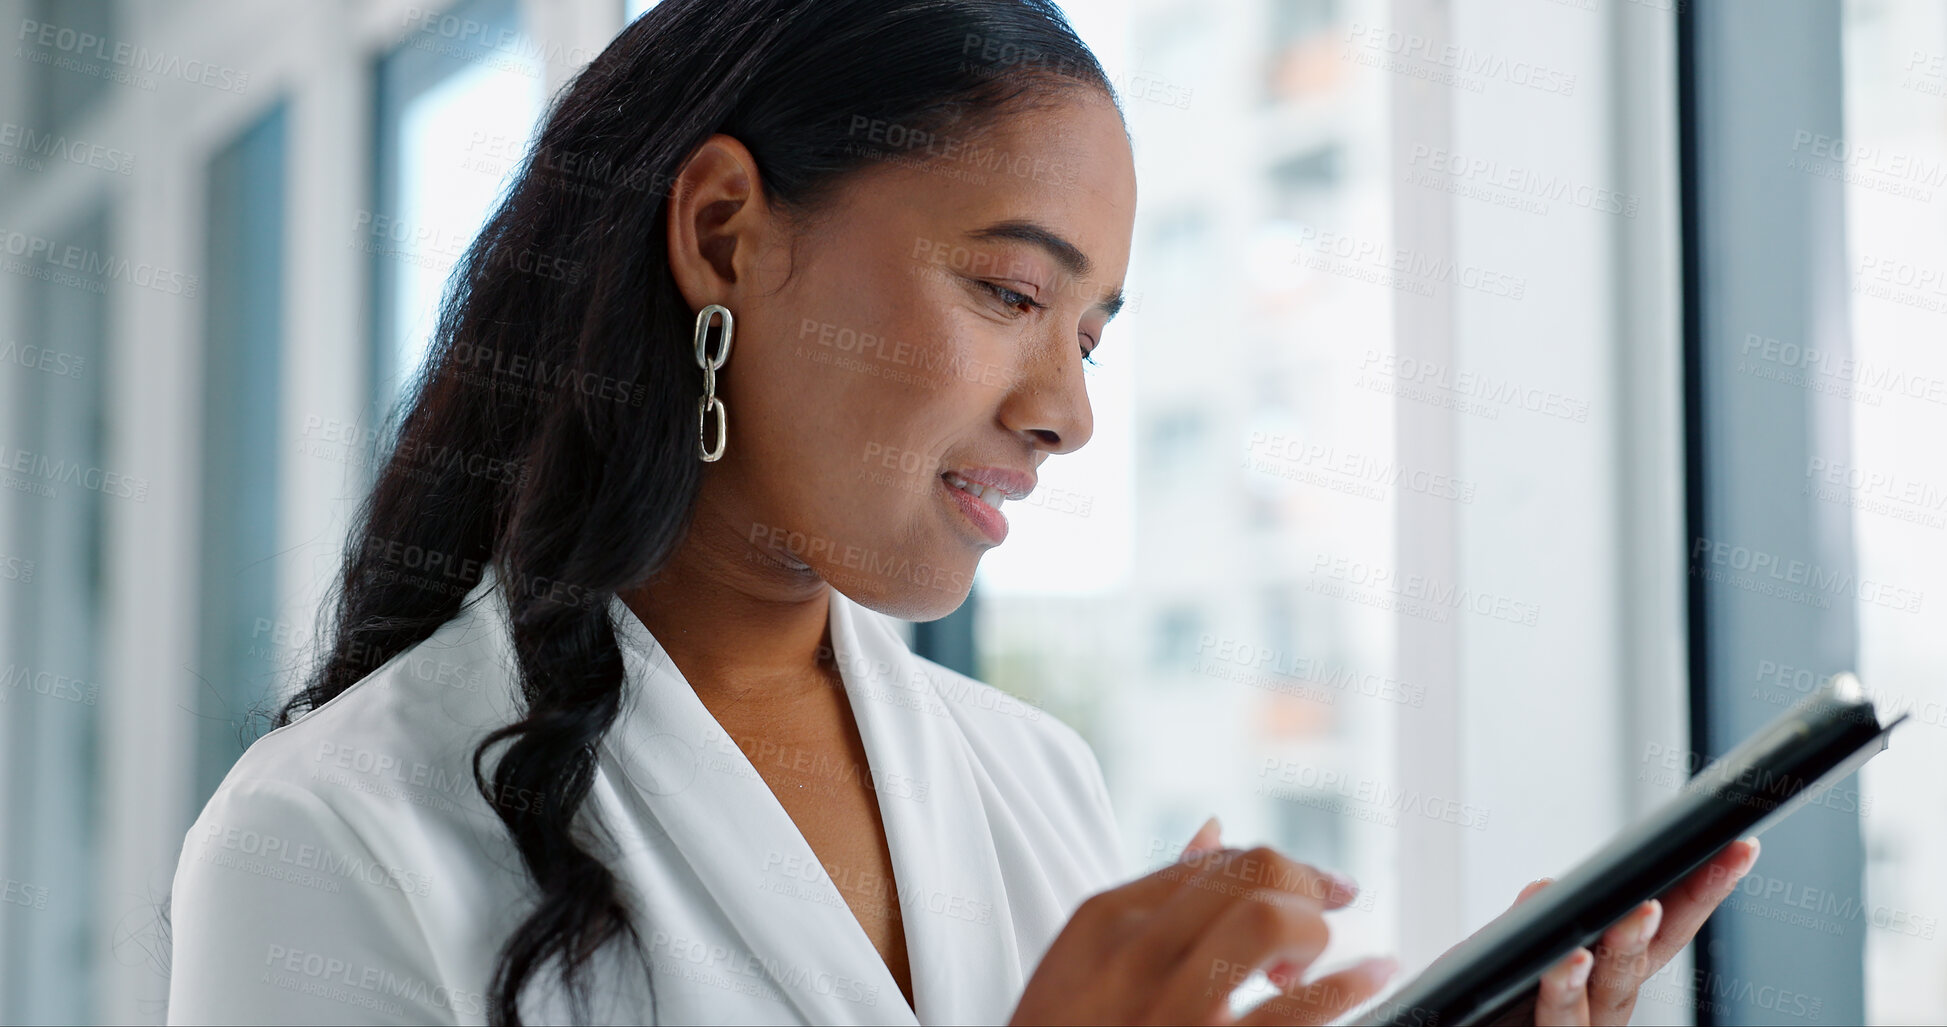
[{"x": 740, "y": 624}]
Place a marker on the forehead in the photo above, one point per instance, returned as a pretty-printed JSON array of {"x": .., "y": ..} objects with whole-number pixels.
[{"x": 1066, "y": 167}]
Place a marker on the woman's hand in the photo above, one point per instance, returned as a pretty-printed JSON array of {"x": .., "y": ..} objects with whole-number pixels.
[
  {"x": 1589, "y": 988},
  {"x": 1169, "y": 948}
]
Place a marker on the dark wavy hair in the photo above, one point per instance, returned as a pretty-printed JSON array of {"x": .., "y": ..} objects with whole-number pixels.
[{"x": 553, "y": 435}]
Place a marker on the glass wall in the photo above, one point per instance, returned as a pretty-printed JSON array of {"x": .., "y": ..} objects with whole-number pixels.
[
  {"x": 1893, "y": 479},
  {"x": 58, "y": 482},
  {"x": 456, "y": 103},
  {"x": 1154, "y": 593},
  {"x": 242, "y": 649}
]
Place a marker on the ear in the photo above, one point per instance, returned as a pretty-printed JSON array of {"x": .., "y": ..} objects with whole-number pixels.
[{"x": 718, "y": 221}]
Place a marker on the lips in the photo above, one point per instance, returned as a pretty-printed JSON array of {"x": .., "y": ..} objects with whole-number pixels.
[{"x": 980, "y": 491}]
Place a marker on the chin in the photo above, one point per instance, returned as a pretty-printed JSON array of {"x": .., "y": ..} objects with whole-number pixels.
[{"x": 909, "y": 589}]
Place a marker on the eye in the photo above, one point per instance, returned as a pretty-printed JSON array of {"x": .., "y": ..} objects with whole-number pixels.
[
  {"x": 1088, "y": 351},
  {"x": 1011, "y": 297}
]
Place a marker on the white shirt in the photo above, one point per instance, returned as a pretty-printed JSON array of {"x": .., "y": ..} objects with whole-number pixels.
[{"x": 347, "y": 870}]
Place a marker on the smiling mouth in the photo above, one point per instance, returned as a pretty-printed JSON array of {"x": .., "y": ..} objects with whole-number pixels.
[{"x": 988, "y": 494}]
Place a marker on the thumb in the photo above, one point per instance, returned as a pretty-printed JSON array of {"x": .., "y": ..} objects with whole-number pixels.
[
  {"x": 1533, "y": 888},
  {"x": 1205, "y": 840}
]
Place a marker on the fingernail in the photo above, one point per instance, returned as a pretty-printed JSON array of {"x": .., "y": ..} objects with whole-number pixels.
[
  {"x": 1343, "y": 888},
  {"x": 1210, "y": 827},
  {"x": 1650, "y": 923},
  {"x": 1578, "y": 972},
  {"x": 1751, "y": 860}
]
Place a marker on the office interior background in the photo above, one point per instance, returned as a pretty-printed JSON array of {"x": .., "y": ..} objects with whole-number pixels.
[{"x": 1518, "y": 402}]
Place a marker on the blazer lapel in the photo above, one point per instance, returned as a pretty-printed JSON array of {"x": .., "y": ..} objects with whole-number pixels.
[
  {"x": 966, "y": 959},
  {"x": 718, "y": 813}
]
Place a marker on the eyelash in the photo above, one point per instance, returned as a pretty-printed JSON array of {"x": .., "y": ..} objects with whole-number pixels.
[{"x": 1014, "y": 298}]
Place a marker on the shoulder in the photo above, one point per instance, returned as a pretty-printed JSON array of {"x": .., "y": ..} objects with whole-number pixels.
[{"x": 401, "y": 738}]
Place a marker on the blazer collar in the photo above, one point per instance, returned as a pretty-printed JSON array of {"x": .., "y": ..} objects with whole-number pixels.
[{"x": 702, "y": 791}]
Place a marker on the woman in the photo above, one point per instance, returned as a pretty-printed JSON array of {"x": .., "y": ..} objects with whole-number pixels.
[{"x": 613, "y": 726}]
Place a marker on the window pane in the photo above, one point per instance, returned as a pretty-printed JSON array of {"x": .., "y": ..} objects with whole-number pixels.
[
  {"x": 458, "y": 100},
  {"x": 1152, "y": 592},
  {"x": 240, "y": 651},
  {"x": 1894, "y": 481},
  {"x": 51, "y": 684}
]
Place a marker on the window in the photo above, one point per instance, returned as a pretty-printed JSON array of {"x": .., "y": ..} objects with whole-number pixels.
[
  {"x": 1891, "y": 481},
  {"x": 456, "y": 108},
  {"x": 243, "y": 645},
  {"x": 58, "y": 488},
  {"x": 1402, "y": 443}
]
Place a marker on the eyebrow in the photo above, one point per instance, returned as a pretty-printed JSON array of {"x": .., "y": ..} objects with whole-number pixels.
[{"x": 1072, "y": 260}]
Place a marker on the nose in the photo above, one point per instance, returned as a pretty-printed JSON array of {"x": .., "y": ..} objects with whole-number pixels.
[{"x": 1048, "y": 403}]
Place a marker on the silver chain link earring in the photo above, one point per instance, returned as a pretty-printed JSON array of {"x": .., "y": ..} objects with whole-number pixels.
[{"x": 711, "y": 365}]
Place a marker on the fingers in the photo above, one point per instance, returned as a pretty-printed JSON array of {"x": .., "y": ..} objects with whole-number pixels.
[
  {"x": 1690, "y": 903},
  {"x": 1223, "y": 878},
  {"x": 1205, "y": 840},
  {"x": 1254, "y": 929},
  {"x": 1150, "y": 890},
  {"x": 1325, "y": 999},
  {"x": 1623, "y": 963},
  {"x": 1562, "y": 1000}
]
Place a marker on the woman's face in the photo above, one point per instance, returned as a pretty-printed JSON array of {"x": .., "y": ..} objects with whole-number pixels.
[{"x": 901, "y": 369}]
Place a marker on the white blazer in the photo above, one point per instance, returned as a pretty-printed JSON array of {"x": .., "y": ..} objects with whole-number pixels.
[{"x": 347, "y": 870}]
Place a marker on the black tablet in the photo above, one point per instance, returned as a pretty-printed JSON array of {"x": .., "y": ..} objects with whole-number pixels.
[{"x": 1826, "y": 736}]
